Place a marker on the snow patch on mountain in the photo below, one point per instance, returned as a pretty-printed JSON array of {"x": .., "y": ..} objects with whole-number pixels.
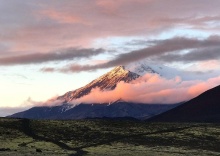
[{"x": 144, "y": 67}]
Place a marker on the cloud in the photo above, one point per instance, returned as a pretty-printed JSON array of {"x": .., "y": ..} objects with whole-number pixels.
[
  {"x": 209, "y": 65},
  {"x": 50, "y": 102},
  {"x": 151, "y": 89},
  {"x": 159, "y": 48},
  {"x": 211, "y": 53},
  {"x": 62, "y": 17},
  {"x": 48, "y": 69},
  {"x": 60, "y": 55},
  {"x": 205, "y": 22},
  {"x": 43, "y": 26},
  {"x": 200, "y": 50}
]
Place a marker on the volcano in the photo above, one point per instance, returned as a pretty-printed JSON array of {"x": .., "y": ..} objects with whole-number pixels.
[{"x": 114, "y": 109}]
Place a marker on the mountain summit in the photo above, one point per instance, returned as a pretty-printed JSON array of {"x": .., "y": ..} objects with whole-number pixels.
[{"x": 107, "y": 81}]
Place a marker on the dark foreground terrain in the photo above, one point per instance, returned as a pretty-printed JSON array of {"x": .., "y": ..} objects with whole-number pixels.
[{"x": 107, "y": 137}]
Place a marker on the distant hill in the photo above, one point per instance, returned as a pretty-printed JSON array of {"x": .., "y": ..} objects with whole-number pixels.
[{"x": 204, "y": 108}]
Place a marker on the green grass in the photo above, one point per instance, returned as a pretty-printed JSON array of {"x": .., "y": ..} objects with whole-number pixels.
[{"x": 107, "y": 137}]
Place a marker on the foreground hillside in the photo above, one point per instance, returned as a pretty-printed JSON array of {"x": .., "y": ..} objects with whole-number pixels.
[
  {"x": 204, "y": 108},
  {"x": 106, "y": 137}
]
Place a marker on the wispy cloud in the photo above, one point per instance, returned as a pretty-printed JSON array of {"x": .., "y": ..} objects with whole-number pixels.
[
  {"x": 193, "y": 55},
  {"x": 59, "y": 55},
  {"x": 204, "y": 49}
]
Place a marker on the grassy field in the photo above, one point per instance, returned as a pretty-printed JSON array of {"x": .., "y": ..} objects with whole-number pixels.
[{"x": 107, "y": 138}]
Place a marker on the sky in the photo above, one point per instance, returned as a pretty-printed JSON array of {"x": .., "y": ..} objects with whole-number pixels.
[{"x": 49, "y": 47}]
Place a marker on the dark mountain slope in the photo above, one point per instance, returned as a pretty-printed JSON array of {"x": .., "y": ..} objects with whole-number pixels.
[
  {"x": 82, "y": 111},
  {"x": 204, "y": 108}
]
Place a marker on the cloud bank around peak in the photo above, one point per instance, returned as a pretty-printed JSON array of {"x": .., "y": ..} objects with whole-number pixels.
[
  {"x": 148, "y": 89},
  {"x": 151, "y": 89}
]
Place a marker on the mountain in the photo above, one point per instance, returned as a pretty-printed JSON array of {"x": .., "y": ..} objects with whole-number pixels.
[
  {"x": 204, "y": 108},
  {"x": 106, "y": 82},
  {"x": 82, "y": 111}
]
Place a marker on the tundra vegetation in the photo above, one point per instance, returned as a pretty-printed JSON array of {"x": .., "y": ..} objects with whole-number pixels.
[{"x": 107, "y": 137}]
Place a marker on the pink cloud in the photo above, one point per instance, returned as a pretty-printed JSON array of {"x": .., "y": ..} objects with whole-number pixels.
[
  {"x": 209, "y": 65},
  {"x": 202, "y": 66},
  {"x": 97, "y": 62},
  {"x": 50, "y": 102},
  {"x": 109, "y": 7},
  {"x": 62, "y": 17},
  {"x": 151, "y": 89},
  {"x": 44, "y": 26}
]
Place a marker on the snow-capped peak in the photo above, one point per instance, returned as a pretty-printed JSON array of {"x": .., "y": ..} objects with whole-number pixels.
[
  {"x": 140, "y": 68},
  {"x": 143, "y": 67},
  {"x": 107, "y": 81},
  {"x": 119, "y": 70}
]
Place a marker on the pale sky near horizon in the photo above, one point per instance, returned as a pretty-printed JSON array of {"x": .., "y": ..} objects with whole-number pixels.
[{"x": 49, "y": 47}]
